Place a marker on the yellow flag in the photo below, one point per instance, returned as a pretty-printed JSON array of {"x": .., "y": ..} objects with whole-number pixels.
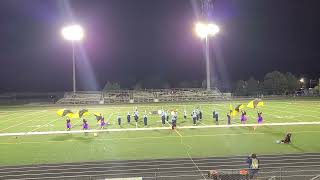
[
  {"x": 250, "y": 104},
  {"x": 261, "y": 103},
  {"x": 233, "y": 113},
  {"x": 230, "y": 107}
]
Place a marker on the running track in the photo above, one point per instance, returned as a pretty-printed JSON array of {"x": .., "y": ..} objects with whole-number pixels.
[{"x": 167, "y": 169}]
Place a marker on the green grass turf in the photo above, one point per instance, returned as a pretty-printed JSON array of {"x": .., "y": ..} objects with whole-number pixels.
[{"x": 158, "y": 143}]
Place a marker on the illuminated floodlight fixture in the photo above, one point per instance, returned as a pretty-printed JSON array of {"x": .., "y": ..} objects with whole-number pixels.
[
  {"x": 204, "y": 30},
  {"x": 301, "y": 80},
  {"x": 213, "y": 29},
  {"x": 73, "y": 32}
]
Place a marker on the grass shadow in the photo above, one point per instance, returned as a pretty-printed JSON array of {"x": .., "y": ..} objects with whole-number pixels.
[{"x": 70, "y": 137}]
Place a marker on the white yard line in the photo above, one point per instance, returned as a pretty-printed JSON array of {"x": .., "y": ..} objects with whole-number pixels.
[
  {"x": 44, "y": 125},
  {"x": 18, "y": 117},
  {"x": 157, "y": 128},
  {"x": 19, "y": 124}
]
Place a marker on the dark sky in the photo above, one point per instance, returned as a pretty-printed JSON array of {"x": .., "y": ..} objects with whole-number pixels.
[{"x": 153, "y": 42}]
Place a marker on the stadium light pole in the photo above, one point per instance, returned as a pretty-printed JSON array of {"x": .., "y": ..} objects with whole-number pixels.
[
  {"x": 73, "y": 33},
  {"x": 204, "y": 31}
]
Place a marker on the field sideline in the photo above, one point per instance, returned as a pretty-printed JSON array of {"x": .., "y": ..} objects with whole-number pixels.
[{"x": 156, "y": 143}]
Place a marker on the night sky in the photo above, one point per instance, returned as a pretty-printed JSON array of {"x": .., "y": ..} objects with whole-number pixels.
[{"x": 153, "y": 42}]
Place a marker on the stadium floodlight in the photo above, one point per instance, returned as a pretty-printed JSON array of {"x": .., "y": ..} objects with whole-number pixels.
[
  {"x": 204, "y": 30},
  {"x": 73, "y": 33},
  {"x": 301, "y": 80},
  {"x": 213, "y": 29}
]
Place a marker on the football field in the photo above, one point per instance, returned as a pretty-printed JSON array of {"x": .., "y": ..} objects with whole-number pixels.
[{"x": 128, "y": 141}]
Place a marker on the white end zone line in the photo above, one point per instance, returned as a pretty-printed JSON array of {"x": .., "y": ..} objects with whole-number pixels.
[{"x": 156, "y": 128}]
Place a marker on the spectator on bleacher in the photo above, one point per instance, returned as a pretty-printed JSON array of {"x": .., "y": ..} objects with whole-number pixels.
[
  {"x": 253, "y": 162},
  {"x": 119, "y": 119},
  {"x": 128, "y": 117},
  {"x": 145, "y": 119}
]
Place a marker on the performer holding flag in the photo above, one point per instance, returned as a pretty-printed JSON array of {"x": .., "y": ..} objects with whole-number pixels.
[
  {"x": 85, "y": 125},
  {"x": 259, "y": 119},
  {"x": 229, "y": 118},
  {"x": 102, "y": 123},
  {"x": 243, "y": 117},
  {"x": 68, "y": 124}
]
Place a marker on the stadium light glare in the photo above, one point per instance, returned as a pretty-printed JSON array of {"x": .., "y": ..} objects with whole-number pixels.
[
  {"x": 213, "y": 29},
  {"x": 203, "y": 30},
  {"x": 301, "y": 80},
  {"x": 73, "y": 32}
]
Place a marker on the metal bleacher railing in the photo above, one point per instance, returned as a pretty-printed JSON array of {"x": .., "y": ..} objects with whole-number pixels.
[{"x": 140, "y": 96}]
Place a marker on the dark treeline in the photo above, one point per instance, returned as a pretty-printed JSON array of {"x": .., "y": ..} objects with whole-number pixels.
[{"x": 274, "y": 83}]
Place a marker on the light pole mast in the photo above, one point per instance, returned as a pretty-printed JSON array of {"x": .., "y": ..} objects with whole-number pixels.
[
  {"x": 208, "y": 65},
  {"x": 73, "y": 33},
  {"x": 74, "y": 69},
  {"x": 206, "y": 9}
]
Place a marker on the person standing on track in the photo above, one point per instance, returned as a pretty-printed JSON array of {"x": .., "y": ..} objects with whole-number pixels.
[
  {"x": 253, "y": 162},
  {"x": 200, "y": 114}
]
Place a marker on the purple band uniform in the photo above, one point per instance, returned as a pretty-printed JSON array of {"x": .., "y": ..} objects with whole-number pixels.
[
  {"x": 102, "y": 123},
  {"x": 243, "y": 118},
  {"x": 85, "y": 126}
]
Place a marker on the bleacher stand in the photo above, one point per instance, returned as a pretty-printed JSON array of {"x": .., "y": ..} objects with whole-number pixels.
[
  {"x": 141, "y": 96},
  {"x": 82, "y": 97}
]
